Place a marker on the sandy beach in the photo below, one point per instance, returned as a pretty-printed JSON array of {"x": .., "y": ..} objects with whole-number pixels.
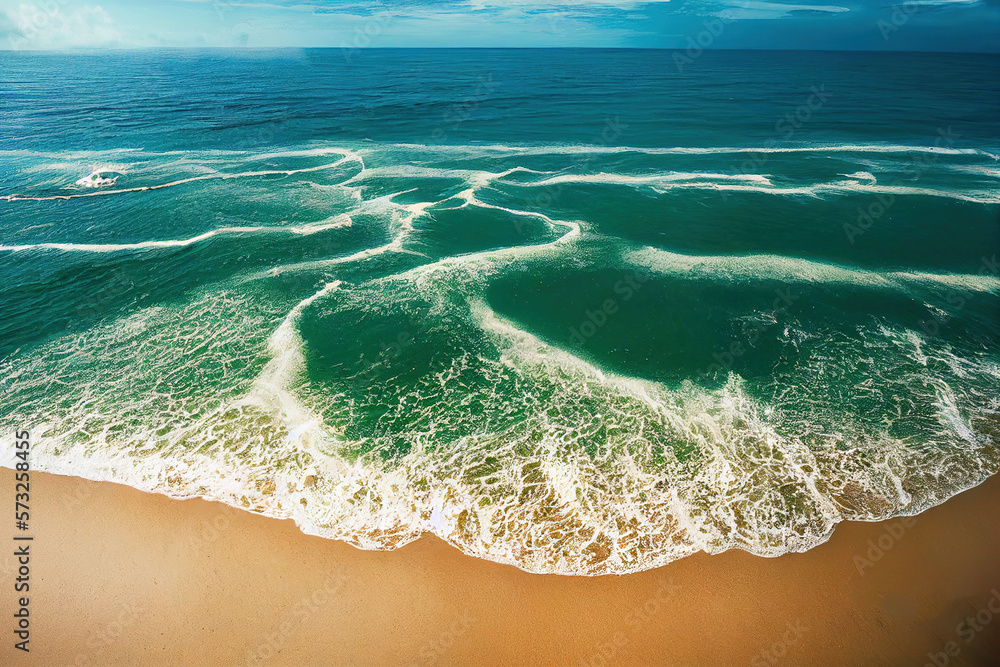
[{"x": 121, "y": 577}]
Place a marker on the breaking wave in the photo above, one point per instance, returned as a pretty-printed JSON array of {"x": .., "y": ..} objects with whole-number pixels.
[{"x": 413, "y": 385}]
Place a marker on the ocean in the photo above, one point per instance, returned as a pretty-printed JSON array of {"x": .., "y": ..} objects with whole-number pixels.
[{"x": 581, "y": 311}]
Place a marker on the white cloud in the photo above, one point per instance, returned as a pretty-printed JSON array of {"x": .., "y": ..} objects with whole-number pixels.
[
  {"x": 47, "y": 26},
  {"x": 756, "y": 9},
  {"x": 938, "y": 3},
  {"x": 623, "y": 4}
]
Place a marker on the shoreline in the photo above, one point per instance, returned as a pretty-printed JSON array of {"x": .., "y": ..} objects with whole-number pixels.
[{"x": 120, "y": 576}]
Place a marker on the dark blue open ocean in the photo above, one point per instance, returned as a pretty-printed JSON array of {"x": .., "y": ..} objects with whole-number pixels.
[{"x": 576, "y": 310}]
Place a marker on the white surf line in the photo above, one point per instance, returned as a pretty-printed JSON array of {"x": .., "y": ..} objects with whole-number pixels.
[
  {"x": 484, "y": 179},
  {"x": 396, "y": 245},
  {"x": 445, "y": 262},
  {"x": 530, "y": 349},
  {"x": 862, "y": 176},
  {"x": 574, "y": 227},
  {"x": 671, "y": 182},
  {"x": 285, "y": 345},
  {"x": 211, "y": 153},
  {"x": 322, "y": 263},
  {"x": 313, "y": 265},
  {"x": 416, "y": 211},
  {"x": 337, "y": 222},
  {"x": 973, "y": 196},
  {"x": 271, "y": 388},
  {"x": 625, "y": 179},
  {"x": 497, "y": 255},
  {"x": 781, "y": 267},
  {"x": 976, "y": 197},
  {"x": 682, "y": 150},
  {"x": 205, "y": 177},
  {"x": 473, "y": 177},
  {"x": 975, "y": 169}
]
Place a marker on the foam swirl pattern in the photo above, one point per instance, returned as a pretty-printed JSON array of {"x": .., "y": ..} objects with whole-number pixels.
[
  {"x": 426, "y": 348},
  {"x": 574, "y": 355}
]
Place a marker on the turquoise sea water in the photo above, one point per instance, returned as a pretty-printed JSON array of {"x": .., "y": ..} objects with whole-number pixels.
[{"x": 574, "y": 310}]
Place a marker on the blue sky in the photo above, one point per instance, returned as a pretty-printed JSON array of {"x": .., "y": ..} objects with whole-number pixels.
[{"x": 926, "y": 25}]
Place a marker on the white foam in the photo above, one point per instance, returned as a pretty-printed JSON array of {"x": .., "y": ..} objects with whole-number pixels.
[
  {"x": 792, "y": 269},
  {"x": 561, "y": 149},
  {"x": 614, "y": 512},
  {"x": 760, "y": 183},
  {"x": 192, "y": 179},
  {"x": 587, "y": 475},
  {"x": 625, "y": 179},
  {"x": 862, "y": 176},
  {"x": 271, "y": 388},
  {"x": 334, "y": 222},
  {"x": 980, "y": 170}
]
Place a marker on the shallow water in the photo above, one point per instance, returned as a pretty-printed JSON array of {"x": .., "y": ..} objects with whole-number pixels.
[{"x": 572, "y": 310}]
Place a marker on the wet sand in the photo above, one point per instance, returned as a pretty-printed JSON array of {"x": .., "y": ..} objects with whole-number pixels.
[{"x": 121, "y": 577}]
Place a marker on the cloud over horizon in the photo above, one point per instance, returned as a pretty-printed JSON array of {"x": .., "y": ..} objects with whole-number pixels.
[{"x": 923, "y": 25}]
